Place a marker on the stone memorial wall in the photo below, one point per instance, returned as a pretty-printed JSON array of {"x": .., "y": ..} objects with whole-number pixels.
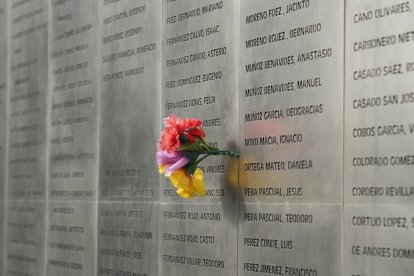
[
  {"x": 316, "y": 96},
  {"x": 27, "y": 138},
  {"x": 3, "y": 123}
]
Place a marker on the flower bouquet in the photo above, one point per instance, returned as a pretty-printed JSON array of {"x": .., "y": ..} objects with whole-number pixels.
[{"x": 180, "y": 149}]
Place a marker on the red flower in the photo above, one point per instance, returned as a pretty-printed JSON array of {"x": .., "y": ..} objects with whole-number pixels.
[
  {"x": 170, "y": 139},
  {"x": 174, "y": 127}
]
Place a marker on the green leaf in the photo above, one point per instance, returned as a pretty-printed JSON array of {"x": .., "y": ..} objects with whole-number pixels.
[
  {"x": 196, "y": 146},
  {"x": 191, "y": 155},
  {"x": 191, "y": 168},
  {"x": 199, "y": 145}
]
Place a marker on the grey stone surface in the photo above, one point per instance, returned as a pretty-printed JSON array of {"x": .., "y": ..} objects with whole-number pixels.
[
  {"x": 25, "y": 245},
  {"x": 3, "y": 94},
  {"x": 291, "y": 122},
  {"x": 73, "y": 127},
  {"x": 290, "y": 102},
  {"x": 128, "y": 238},
  {"x": 71, "y": 240},
  {"x": 198, "y": 239},
  {"x": 377, "y": 239},
  {"x": 378, "y": 134},
  {"x": 4, "y": 23},
  {"x": 315, "y": 95},
  {"x": 290, "y": 239},
  {"x": 378, "y": 102},
  {"x": 130, "y": 79},
  {"x": 27, "y": 114},
  {"x": 200, "y": 79},
  {"x": 28, "y": 96},
  {"x": 3, "y": 209}
]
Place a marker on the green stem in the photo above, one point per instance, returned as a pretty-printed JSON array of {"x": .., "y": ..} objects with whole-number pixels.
[
  {"x": 222, "y": 152},
  {"x": 201, "y": 159},
  {"x": 216, "y": 152}
]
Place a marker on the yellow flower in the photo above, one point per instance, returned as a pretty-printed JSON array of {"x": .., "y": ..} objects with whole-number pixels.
[
  {"x": 161, "y": 169},
  {"x": 187, "y": 185},
  {"x": 199, "y": 183}
]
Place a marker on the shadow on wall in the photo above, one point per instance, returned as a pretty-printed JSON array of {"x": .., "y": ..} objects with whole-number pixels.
[{"x": 232, "y": 183}]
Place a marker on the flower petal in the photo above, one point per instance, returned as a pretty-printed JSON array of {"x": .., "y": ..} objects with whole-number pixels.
[
  {"x": 191, "y": 190},
  {"x": 184, "y": 194},
  {"x": 199, "y": 183},
  {"x": 161, "y": 169},
  {"x": 170, "y": 139},
  {"x": 180, "y": 179},
  {"x": 196, "y": 132},
  {"x": 177, "y": 165}
]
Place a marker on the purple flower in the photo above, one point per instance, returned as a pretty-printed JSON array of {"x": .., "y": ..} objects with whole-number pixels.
[{"x": 171, "y": 160}]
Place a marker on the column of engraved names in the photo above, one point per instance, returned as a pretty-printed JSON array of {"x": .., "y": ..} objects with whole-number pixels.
[
  {"x": 73, "y": 123},
  {"x": 128, "y": 239},
  {"x": 378, "y": 138},
  {"x": 3, "y": 124},
  {"x": 131, "y": 87},
  {"x": 28, "y": 94},
  {"x": 25, "y": 238},
  {"x": 288, "y": 100},
  {"x": 197, "y": 240},
  {"x": 27, "y": 98},
  {"x": 264, "y": 251},
  {"x": 199, "y": 77},
  {"x": 199, "y": 81},
  {"x": 291, "y": 132},
  {"x": 379, "y": 102},
  {"x": 3, "y": 93},
  {"x": 71, "y": 247},
  {"x": 130, "y": 81}
]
